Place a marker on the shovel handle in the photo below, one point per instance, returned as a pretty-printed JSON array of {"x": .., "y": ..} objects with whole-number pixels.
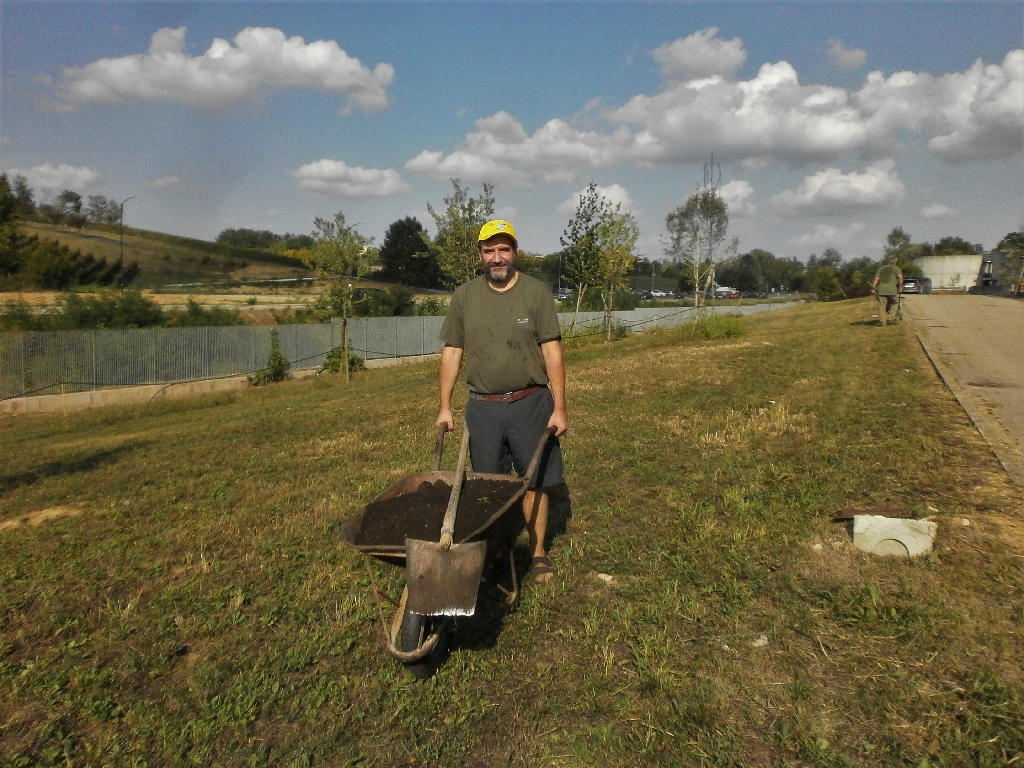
[
  {"x": 448, "y": 526},
  {"x": 439, "y": 446}
]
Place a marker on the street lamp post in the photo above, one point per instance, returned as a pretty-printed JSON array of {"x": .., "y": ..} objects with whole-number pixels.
[{"x": 122, "y": 224}]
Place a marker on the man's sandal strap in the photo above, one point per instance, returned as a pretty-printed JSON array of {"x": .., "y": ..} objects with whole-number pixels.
[{"x": 541, "y": 566}]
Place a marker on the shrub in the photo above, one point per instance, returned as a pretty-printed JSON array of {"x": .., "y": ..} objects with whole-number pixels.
[
  {"x": 18, "y": 316},
  {"x": 431, "y": 307},
  {"x": 277, "y": 364},
  {"x": 332, "y": 362},
  {"x": 395, "y": 301},
  {"x": 127, "y": 309},
  {"x": 196, "y": 314},
  {"x": 123, "y": 309},
  {"x": 711, "y": 326}
]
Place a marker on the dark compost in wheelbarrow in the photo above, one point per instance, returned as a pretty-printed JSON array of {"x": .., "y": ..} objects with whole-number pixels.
[{"x": 418, "y": 515}]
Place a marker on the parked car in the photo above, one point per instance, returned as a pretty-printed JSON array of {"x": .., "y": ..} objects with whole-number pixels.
[
  {"x": 911, "y": 285},
  {"x": 660, "y": 295},
  {"x": 563, "y": 294}
]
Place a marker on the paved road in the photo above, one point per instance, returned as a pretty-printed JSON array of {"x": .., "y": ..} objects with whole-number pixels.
[{"x": 977, "y": 345}]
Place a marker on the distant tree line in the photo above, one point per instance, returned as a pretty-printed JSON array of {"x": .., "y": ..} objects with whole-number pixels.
[
  {"x": 67, "y": 208},
  {"x": 264, "y": 239},
  {"x": 29, "y": 261}
]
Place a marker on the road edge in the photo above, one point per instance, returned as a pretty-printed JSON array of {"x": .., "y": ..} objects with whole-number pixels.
[{"x": 988, "y": 426}]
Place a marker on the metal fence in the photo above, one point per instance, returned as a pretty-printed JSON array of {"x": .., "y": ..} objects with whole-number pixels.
[{"x": 40, "y": 363}]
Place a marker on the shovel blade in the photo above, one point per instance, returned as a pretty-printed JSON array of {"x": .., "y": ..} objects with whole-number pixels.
[{"x": 443, "y": 583}]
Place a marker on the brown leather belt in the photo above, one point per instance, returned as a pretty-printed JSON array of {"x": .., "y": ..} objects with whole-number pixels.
[{"x": 508, "y": 397}]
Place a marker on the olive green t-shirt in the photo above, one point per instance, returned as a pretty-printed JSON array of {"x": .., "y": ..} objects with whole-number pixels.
[
  {"x": 501, "y": 333},
  {"x": 888, "y": 280}
]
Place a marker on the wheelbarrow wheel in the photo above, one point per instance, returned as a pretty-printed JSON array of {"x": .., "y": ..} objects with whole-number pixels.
[{"x": 413, "y": 624}]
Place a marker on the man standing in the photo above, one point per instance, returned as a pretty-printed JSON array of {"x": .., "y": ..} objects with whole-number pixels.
[
  {"x": 887, "y": 286},
  {"x": 505, "y": 324}
]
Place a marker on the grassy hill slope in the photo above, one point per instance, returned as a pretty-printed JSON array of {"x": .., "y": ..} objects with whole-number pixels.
[
  {"x": 167, "y": 259},
  {"x": 198, "y": 606}
]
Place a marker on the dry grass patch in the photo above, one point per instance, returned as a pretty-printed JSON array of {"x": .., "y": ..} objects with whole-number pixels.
[{"x": 40, "y": 516}]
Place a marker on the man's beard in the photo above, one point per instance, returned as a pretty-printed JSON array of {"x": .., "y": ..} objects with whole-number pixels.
[{"x": 501, "y": 274}]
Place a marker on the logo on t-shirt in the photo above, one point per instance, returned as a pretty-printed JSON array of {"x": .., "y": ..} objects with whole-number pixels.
[{"x": 523, "y": 320}]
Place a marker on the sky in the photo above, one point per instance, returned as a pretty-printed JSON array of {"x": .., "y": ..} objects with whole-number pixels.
[{"x": 830, "y": 123}]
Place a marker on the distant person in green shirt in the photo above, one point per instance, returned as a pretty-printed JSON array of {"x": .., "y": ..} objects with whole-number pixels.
[
  {"x": 505, "y": 324},
  {"x": 887, "y": 285}
]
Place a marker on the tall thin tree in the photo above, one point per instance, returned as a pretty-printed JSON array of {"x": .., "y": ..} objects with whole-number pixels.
[{"x": 696, "y": 230}]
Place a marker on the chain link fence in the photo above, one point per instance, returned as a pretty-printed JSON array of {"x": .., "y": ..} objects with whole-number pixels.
[{"x": 40, "y": 363}]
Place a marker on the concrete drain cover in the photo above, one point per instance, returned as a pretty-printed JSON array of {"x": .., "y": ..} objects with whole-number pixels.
[{"x": 890, "y": 536}]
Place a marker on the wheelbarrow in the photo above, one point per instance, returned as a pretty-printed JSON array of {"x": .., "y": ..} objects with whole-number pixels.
[{"x": 420, "y": 642}]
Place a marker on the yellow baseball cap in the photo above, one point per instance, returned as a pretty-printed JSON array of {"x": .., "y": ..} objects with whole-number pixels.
[{"x": 497, "y": 227}]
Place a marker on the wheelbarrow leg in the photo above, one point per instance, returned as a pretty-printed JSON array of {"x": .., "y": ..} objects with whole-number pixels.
[{"x": 511, "y": 597}]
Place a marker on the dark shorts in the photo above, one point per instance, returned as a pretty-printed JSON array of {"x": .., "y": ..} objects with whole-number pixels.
[{"x": 503, "y": 436}]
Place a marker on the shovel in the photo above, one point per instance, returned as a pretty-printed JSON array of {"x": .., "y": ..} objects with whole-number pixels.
[{"x": 444, "y": 578}]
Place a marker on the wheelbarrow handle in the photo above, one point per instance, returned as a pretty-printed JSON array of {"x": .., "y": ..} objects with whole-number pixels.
[
  {"x": 439, "y": 446},
  {"x": 535, "y": 461}
]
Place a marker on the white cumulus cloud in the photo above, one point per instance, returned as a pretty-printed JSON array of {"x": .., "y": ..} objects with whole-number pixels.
[
  {"x": 846, "y": 58},
  {"x": 259, "y": 60},
  {"x": 164, "y": 182},
  {"x": 335, "y": 178},
  {"x": 737, "y": 194},
  {"x": 938, "y": 211},
  {"x": 500, "y": 151},
  {"x": 827, "y": 235},
  {"x": 57, "y": 177},
  {"x": 771, "y": 117},
  {"x": 702, "y": 54},
  {"x": 978, "y": 113},
  {"x": 616, "y": 194},
  {"x": 831, "y": 191}
]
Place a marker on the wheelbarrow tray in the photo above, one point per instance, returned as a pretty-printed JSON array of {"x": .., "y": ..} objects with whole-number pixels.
[{"x": 495, "y": 530}]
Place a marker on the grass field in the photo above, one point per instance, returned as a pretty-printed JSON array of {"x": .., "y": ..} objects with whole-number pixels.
[{"x": 194, "y": 606}]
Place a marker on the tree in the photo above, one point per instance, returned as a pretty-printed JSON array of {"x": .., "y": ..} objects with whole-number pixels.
[
  {"x": 902, "y": 251},
  {"x": 581, "y": 264},
  {"x": 1013, "y": 268},
  {"x": 69, "y": 202},
  {"x": 22, "y": 191},
  {"x": 338, "y": 249},
  {"x": 955, "y": 246},
  {"x": 617, "y": 233},
  {"x": 458, "y": 227},
  {"x": 10, "y": 210},
  {"x": 405, "y": 256},
  {"x": 103, "y": 210},
  {"x": 696, "y": 229},
  {"x": 830, "y": 258},
  {"x": 825, "y": 284},
  {"x": 897, "y": 240},
  {"x": 248, "y": 238}
]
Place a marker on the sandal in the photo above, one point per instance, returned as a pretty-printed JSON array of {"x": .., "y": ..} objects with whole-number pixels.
[{"x": 541, "y": 566}]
